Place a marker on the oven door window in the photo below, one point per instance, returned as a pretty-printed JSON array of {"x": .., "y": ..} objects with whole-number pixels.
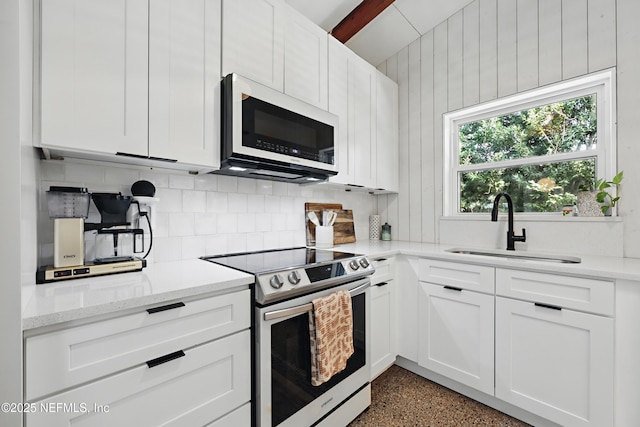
[
  {"x": 270, "y": 128},
  {"x": 291, "y": 388}
]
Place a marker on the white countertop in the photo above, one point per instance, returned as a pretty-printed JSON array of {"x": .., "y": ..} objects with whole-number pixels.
[
  {"x": 75, "y": 299},
  {"x": 53, "y": 303},
  {"x": 594, "y": 266}
]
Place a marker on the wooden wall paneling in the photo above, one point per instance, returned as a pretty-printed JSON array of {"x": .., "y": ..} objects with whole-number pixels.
[
  {"x": 415, "y": 153},
  {"x": 454, "y": 60},
  {"x": 628, "y": 129},
  {"x": 488, "y": 50},
  {"x": 601, "y": 28},
  {"x": 549, "y": 41},
  {"x": 471, "y": 54},
  {"x": 574, "y": 38},
  {"x": 527, "y": 42},
  {"x": 507, "y": 49},
  {"x": 439, "y": 107},
  {"x": 427, "y": 141},
  {"x": 392, "y": 67},
  {"x": 403, "y": 231}
]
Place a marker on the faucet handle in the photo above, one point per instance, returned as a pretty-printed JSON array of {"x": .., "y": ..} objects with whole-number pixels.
[{"x": 522, "y": 238}]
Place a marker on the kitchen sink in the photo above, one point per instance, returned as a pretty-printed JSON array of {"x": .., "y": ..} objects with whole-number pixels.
[{"x": 524, "y": 256}]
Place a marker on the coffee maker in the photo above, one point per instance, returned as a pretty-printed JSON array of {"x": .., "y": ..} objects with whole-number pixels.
[
  {"x": 116, "y": 241},
  {"x": 68, "y": 207}
]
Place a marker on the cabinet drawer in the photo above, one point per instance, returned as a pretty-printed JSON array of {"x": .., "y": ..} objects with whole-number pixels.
[
  {"x": 202, "y": 386},
  {"x": 385, "y": 269},
  {"x": 465, "y": 276},
  {"x": 65, "y": 358},
  {"x": 591, "y": 295},
  {"x": 239, "y": 417}
]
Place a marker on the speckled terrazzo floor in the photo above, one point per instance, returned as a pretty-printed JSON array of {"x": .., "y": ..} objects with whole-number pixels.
[{"x": 402, "y": 398}]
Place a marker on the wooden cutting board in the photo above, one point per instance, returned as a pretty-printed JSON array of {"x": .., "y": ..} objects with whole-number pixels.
[{"x": 343, "y": 228}]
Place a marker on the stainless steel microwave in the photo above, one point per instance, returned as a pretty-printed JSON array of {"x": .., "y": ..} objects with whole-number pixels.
[{"x": 269, "y": 135}]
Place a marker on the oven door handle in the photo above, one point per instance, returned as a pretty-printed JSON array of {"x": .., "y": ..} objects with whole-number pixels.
[{"x": 286, "y": 312}]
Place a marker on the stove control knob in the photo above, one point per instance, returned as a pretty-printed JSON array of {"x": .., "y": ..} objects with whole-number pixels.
[
  {"x": 294, "y": 278},
  {"x": 354, "y": 264},
  {"x": 364, "y": 263},
  {"x": 276, "y": 281}
]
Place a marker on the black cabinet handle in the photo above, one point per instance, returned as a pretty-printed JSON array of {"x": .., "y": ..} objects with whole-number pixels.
[
  {"x": 551, "y": 307},
  {"x": 380, "y": 260},
  {"x": 165, "y": 307},
  {"x": 382, "y": 283},
  {"x": 451, "y": 288},
  {"x": 166, "y": 358}
]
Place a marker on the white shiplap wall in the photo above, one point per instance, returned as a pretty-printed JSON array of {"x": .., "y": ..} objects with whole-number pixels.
[{"x": 488, "y": 50}]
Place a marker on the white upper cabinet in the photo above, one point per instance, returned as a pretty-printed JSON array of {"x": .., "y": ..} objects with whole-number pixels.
[
  {"x": 184, "y": 90},
  {"x": 387, "y": 134},
  {"x": 366, "y": 103},
  {"x": 132, "y": 77},
  {"x": 305, "y": 60},
  {"x": 271, "y": 43},
  {"x": 94, "y": 75},
  {"x": 253, "y": 40}
]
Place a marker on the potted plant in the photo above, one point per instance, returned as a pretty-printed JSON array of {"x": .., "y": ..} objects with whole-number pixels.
[{"x": 606, "y": 199}]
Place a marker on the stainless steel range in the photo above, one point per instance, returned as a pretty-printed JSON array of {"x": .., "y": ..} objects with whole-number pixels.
[{"x": 287, "y": 281}]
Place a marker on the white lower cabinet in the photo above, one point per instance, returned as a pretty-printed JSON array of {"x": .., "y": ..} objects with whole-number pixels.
[
  {"x": 457, "y": 334},
  {"x": 554, "y": 362},
  {"x": 178, "y": 364},
  {"x": 383, "y": 339}
]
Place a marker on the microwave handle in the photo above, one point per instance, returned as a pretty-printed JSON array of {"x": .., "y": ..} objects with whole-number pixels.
[{"x": 286, "y": 312}]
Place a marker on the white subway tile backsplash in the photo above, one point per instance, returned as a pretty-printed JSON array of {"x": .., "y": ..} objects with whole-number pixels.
[
  {"x": 181, "y": 224},
  {"x": 247, "y": 186},
  {"x": 227, "y": 223},
  {"x": 167, "y": 249},
  {"x": 217, "y": 202},
  {"x": 183, "y": 182},
  {"x": 227, "y": 184},
  {"x": 255, "y": 203},
  {"x": 264, "y": 187},
  {"x": 170, "y": 200},
  {"x": 246, "y": 223},
  {"x": 194, "y": 247},
  {"x": 204, "y": 214},
  {"x": 194, "y": 201},
  {"x": 205, "y": 224},
  {"x": 280, "y": 188},
  {"x": 206, "y": 182},
  {"x": 237, "y": 202}
]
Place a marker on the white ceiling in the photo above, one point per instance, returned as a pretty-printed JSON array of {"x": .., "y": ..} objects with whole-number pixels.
[{"x": 396, "y": 27}]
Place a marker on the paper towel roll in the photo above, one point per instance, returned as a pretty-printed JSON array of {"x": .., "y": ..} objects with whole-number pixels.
[{"x": 374, "y": 227}]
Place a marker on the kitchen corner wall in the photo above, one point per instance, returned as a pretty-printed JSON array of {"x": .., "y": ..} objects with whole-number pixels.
[
  {"x": 493, "y": 49},
  {"x": 203, "y": 214}
]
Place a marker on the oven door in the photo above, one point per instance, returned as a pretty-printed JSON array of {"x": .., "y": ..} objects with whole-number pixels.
[
  {"x": 269, "y": 125},
  {"x": 283, "y": 361}
]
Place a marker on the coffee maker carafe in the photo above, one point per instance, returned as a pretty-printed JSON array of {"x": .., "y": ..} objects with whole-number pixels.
[{"x": 68, "y": 207}]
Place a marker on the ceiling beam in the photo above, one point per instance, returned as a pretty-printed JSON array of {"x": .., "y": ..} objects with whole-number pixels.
[{"x": 358, "y": 18}]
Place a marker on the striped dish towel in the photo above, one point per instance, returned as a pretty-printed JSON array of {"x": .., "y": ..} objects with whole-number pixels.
[{"x": 331, "y": 333}]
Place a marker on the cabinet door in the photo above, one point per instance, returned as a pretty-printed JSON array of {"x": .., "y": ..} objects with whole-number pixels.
[
  {"x": 407, "y": 307},
  {"x": 253, "y": 40},
  {"x": 94, "y": 75},
  {"x": 361, "y": 123},
  {"x": 305, "y": 60},
  {"x": 383, "y": 325},
  {"x": 386, "y": 133},
  {"x": 184, "y": 78},
  {"x": 197, "y": 387},
  {"x": 456, "y": 335},
  {"x": 339, "y": 105},
  {"x": 555, "y": 363}
]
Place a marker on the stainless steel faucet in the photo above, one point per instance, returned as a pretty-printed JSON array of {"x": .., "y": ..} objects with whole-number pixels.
[{"x": 511, "y": 237}]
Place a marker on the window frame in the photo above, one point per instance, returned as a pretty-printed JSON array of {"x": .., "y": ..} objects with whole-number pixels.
[{"x": 601, "y": 83}]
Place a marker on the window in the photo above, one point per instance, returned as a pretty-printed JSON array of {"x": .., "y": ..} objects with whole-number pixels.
[{"x": 541, "y": 147}]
